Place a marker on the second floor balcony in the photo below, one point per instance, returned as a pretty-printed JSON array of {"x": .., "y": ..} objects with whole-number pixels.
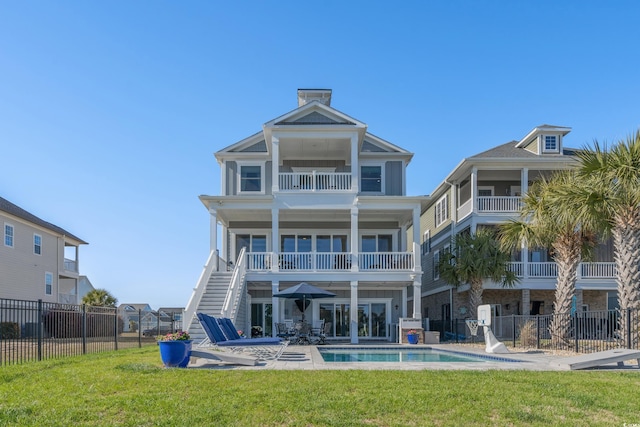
[
  {"x": 314, "y": 181},
  {"x": 329, "y": 262},
  {"x": 586, "y": 270}
]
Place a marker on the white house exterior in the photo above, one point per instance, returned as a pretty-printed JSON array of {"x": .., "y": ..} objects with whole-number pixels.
[
  {"x": 38, "y": 260},
  {"x": 485, "y": 190},
  {"x": 313, "y": 197}
]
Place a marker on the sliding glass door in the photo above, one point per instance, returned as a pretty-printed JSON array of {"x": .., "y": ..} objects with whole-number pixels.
[{"x": 372, "y": 319}]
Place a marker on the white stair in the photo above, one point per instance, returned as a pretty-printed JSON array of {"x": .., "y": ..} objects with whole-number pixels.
[{"x": 211, "y": 302}]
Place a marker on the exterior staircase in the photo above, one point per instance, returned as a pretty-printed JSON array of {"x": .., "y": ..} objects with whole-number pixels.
[{"x": 211, "y": 302}]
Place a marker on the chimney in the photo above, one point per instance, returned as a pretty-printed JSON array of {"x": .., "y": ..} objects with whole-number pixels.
[{"x": 307, "y": 95}]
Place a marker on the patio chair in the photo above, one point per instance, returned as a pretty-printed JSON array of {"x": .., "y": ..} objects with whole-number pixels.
[
  {"x": 284, "y": 332},
  {"x": 318, "y": 336},
  {"x": 262, "y": 348}
]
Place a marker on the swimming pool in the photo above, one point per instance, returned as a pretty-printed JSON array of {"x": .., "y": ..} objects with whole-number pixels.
[{"x": 402, "y": 354}]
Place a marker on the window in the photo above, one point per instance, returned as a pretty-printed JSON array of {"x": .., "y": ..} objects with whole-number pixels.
[
  {"x": 8, "y": 235},
  {"x": 426, "y": 242},
  {"x": 371, "y": 179},
  {"x": 442, "y": 210},
  {"x": 37, "y": 244},
  {"x": 48, "y": 283},
  {"x": 485, "y": 191},
  {"x": 436, "y": 261},
  {"x": 550, "y": 143},
  {"x": 251, "y": 178},
  {"x": 377, "y": 243}
]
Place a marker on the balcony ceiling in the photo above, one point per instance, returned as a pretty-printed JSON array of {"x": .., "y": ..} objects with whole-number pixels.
[
  {"x": 322, "y": 217},
  {"x": 316, "y": 149}
]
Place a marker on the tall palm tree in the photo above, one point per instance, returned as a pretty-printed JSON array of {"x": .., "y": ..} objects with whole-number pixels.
[
  {"x": 474, "y": 258},
  {"x": 546, "y": 223},
  {"x": 612, "y": 196},
  {"x": 99, "y": 298}
]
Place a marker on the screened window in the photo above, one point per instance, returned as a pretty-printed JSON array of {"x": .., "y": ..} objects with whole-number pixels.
[
  {"x": 371, "y": 179},
  {"x": 37, "y": 244},
  {"x": 250, "y": 178},
  {"x": 8, "y": 235}
]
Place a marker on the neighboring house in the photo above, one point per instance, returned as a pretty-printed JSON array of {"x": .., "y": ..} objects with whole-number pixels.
[
  {"x": 38, "y": 260},
  {"x": 138, "y": 317},
  {"x": 313, "y": 197},
  {"x": 171, "y": 316},
  {"x": 485, "y": 190},
  {"x": 73, "y": 294}
]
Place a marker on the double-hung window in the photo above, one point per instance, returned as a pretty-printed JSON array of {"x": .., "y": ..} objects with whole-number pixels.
[
  {"x": 371, "y": 177},
  {"x": 442, "y": 210},
  {"x": 251, "y": 177},
  {"x": 37, "y": 244},
  {"x": 48, "y": 283},
  {"x": 426, "y": 242},
  {"x": 8, "y": 235}
]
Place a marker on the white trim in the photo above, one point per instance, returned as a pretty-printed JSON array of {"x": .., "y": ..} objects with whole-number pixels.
[
  {"x": 382, "y": 166},
  {"x": 379, "y": 232},
  {"x": 34, "y": 244},
  {"x": 442, "y": 210},
  {"x": 262, "y": 165},
  {"x": 13, "y": 235},
  {"x": 426, "y": 238},
  {"x": 543, "y": 143}
]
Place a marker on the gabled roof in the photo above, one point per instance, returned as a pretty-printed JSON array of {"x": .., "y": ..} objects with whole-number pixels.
[
  {"x": 510, "y": 150},
  {"x": 542, "y": 129},
  {"x": 17, "y": 211},
  {"x": 314, "y": 113}
]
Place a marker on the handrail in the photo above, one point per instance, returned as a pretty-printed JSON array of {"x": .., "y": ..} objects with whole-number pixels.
[
  {"x": 236, "y": 286},
  {"x": 199, "y": 290}
]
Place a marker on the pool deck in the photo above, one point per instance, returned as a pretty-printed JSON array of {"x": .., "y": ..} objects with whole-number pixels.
[{"x": 309, "y": 358}]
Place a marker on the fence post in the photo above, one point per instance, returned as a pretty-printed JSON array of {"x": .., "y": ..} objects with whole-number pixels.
[
  {"x": 575, "y": 331},
  {"x": 513, "y": 329},
  {"x": 40, "y": 329},
  {"x": 628, "y": 322},
  {"x": 455, "y": 331},
  {"x": 115, "y": 327},
  {"x": 139, "y": 328},
  {"x": 538, "y": 332},
  {"x": 84, "y": 329}
]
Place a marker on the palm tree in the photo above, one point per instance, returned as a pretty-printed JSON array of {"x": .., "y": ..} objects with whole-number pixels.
[
  {"x": 545, "y": 222},
  {"x": 474, "y": 258},
  {"x": 99, "y": 298},
  {"x": 612, "y": 197}
]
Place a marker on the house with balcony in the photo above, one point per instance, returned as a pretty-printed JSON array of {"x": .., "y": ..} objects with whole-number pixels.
[
  {"x": 38, "y": 260},
  {"x": 485, "y": 190},
  {"x": 312, "y": 197}
]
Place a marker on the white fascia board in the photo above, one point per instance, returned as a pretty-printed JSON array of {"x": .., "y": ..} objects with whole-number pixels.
[
  {"x": 310, "y": 107},
  {"x": 391, "y": 202},
  {"x": 236, "y": 202},
  {"x": 387, "y": 144},
  {"x": 246, "y": 142}
]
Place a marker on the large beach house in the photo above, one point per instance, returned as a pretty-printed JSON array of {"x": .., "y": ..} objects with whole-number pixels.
[{"x": 313, "y": 197}]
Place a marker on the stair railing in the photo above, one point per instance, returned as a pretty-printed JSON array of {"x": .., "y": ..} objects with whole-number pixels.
[
  {"x": 236, "y": 287},
  {"x": 199, "y": 290}
]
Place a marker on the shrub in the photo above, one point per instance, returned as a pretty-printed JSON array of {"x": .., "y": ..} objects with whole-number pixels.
[
  {"x": 9, "y": 330},
  {"x": 529, "y": 334}
]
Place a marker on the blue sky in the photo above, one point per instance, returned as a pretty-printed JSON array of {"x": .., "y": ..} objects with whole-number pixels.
[{"x": 110, "y": 112}]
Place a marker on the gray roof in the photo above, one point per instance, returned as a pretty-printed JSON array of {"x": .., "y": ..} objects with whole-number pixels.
[
  {"x": 17, "y": 211},
  {"x": 509, "y": 151}
]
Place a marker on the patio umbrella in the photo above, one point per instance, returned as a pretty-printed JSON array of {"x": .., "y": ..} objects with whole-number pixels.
[{"x": 304, "y": 291}]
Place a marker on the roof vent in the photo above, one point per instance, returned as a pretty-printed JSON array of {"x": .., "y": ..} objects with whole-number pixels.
[{"x": 305, "y": 96}]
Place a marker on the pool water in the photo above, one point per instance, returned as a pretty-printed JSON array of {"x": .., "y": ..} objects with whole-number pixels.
[{"x": 401, "y": 354}]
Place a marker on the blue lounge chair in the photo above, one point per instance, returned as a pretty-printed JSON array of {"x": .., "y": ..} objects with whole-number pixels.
[{"x": 263, "y": 348}]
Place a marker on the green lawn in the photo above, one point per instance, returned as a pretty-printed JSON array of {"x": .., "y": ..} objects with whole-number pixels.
[{"x": 130, "y": 388}]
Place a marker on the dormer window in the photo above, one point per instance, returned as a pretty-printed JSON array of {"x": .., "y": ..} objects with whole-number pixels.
[{"x": 550, "y": 143}]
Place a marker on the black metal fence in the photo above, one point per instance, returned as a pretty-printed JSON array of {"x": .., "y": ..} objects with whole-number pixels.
[
  {"x": 583, "y": 332},
  {"x": 37, "y": 330}
]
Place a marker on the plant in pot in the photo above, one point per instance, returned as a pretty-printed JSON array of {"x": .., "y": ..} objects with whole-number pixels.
[
  {"x": 175, "y": 349},
  {"x": 413, "y": 336}
]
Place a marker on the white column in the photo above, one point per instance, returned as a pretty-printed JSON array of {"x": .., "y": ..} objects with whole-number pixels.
[
  {"x": 275, "y": 301},
  {"x": 474, "y": 188},
  {"x": 403, "y": 308},
  {"x": 213, "y": 229},
  {"x": 524, "y": 181},
  {"x": 275, "y": 239},
  {"x": 355, "y": 168},
  {"x": 275, "y": 164},
  {"x": 225, "y": 245},
  {"x": 417, "y": 265},
  {"x": 417, "y": 299},
  {"x": 354, "y": 312},
  {"x": 355, "y": 262}
]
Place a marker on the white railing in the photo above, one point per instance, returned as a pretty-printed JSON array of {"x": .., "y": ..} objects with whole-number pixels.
[
  {"x": 598, "y": 270},
  {"x": 315, "y": 181},
  {"x": 200, "y": 288},
  {"x": 499, "y": 203},
  {"x": 236, "y": 288},
  {"x": 464, "y": 209},
  {"x": 329, "y": 261},
  {"x": 543, "y": 269},
  {"x": 386, "y": 261},
  {"x": 517, "y": 268},
  {"x": 70, "y": 265}
]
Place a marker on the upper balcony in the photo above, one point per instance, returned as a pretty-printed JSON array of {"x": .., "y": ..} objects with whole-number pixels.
[
  {"x": 548, "y": 270},
  {"x": 330, "y": 262},
  {"x": 314, "y": 181}
]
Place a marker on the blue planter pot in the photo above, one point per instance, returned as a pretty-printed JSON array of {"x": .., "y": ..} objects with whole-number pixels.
[
  {"x": 175, "y": 353},
  {"x": 412, "y": 338}
]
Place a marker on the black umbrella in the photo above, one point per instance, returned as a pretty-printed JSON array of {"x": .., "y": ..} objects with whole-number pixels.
[{"x": 304, "y": 291}]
